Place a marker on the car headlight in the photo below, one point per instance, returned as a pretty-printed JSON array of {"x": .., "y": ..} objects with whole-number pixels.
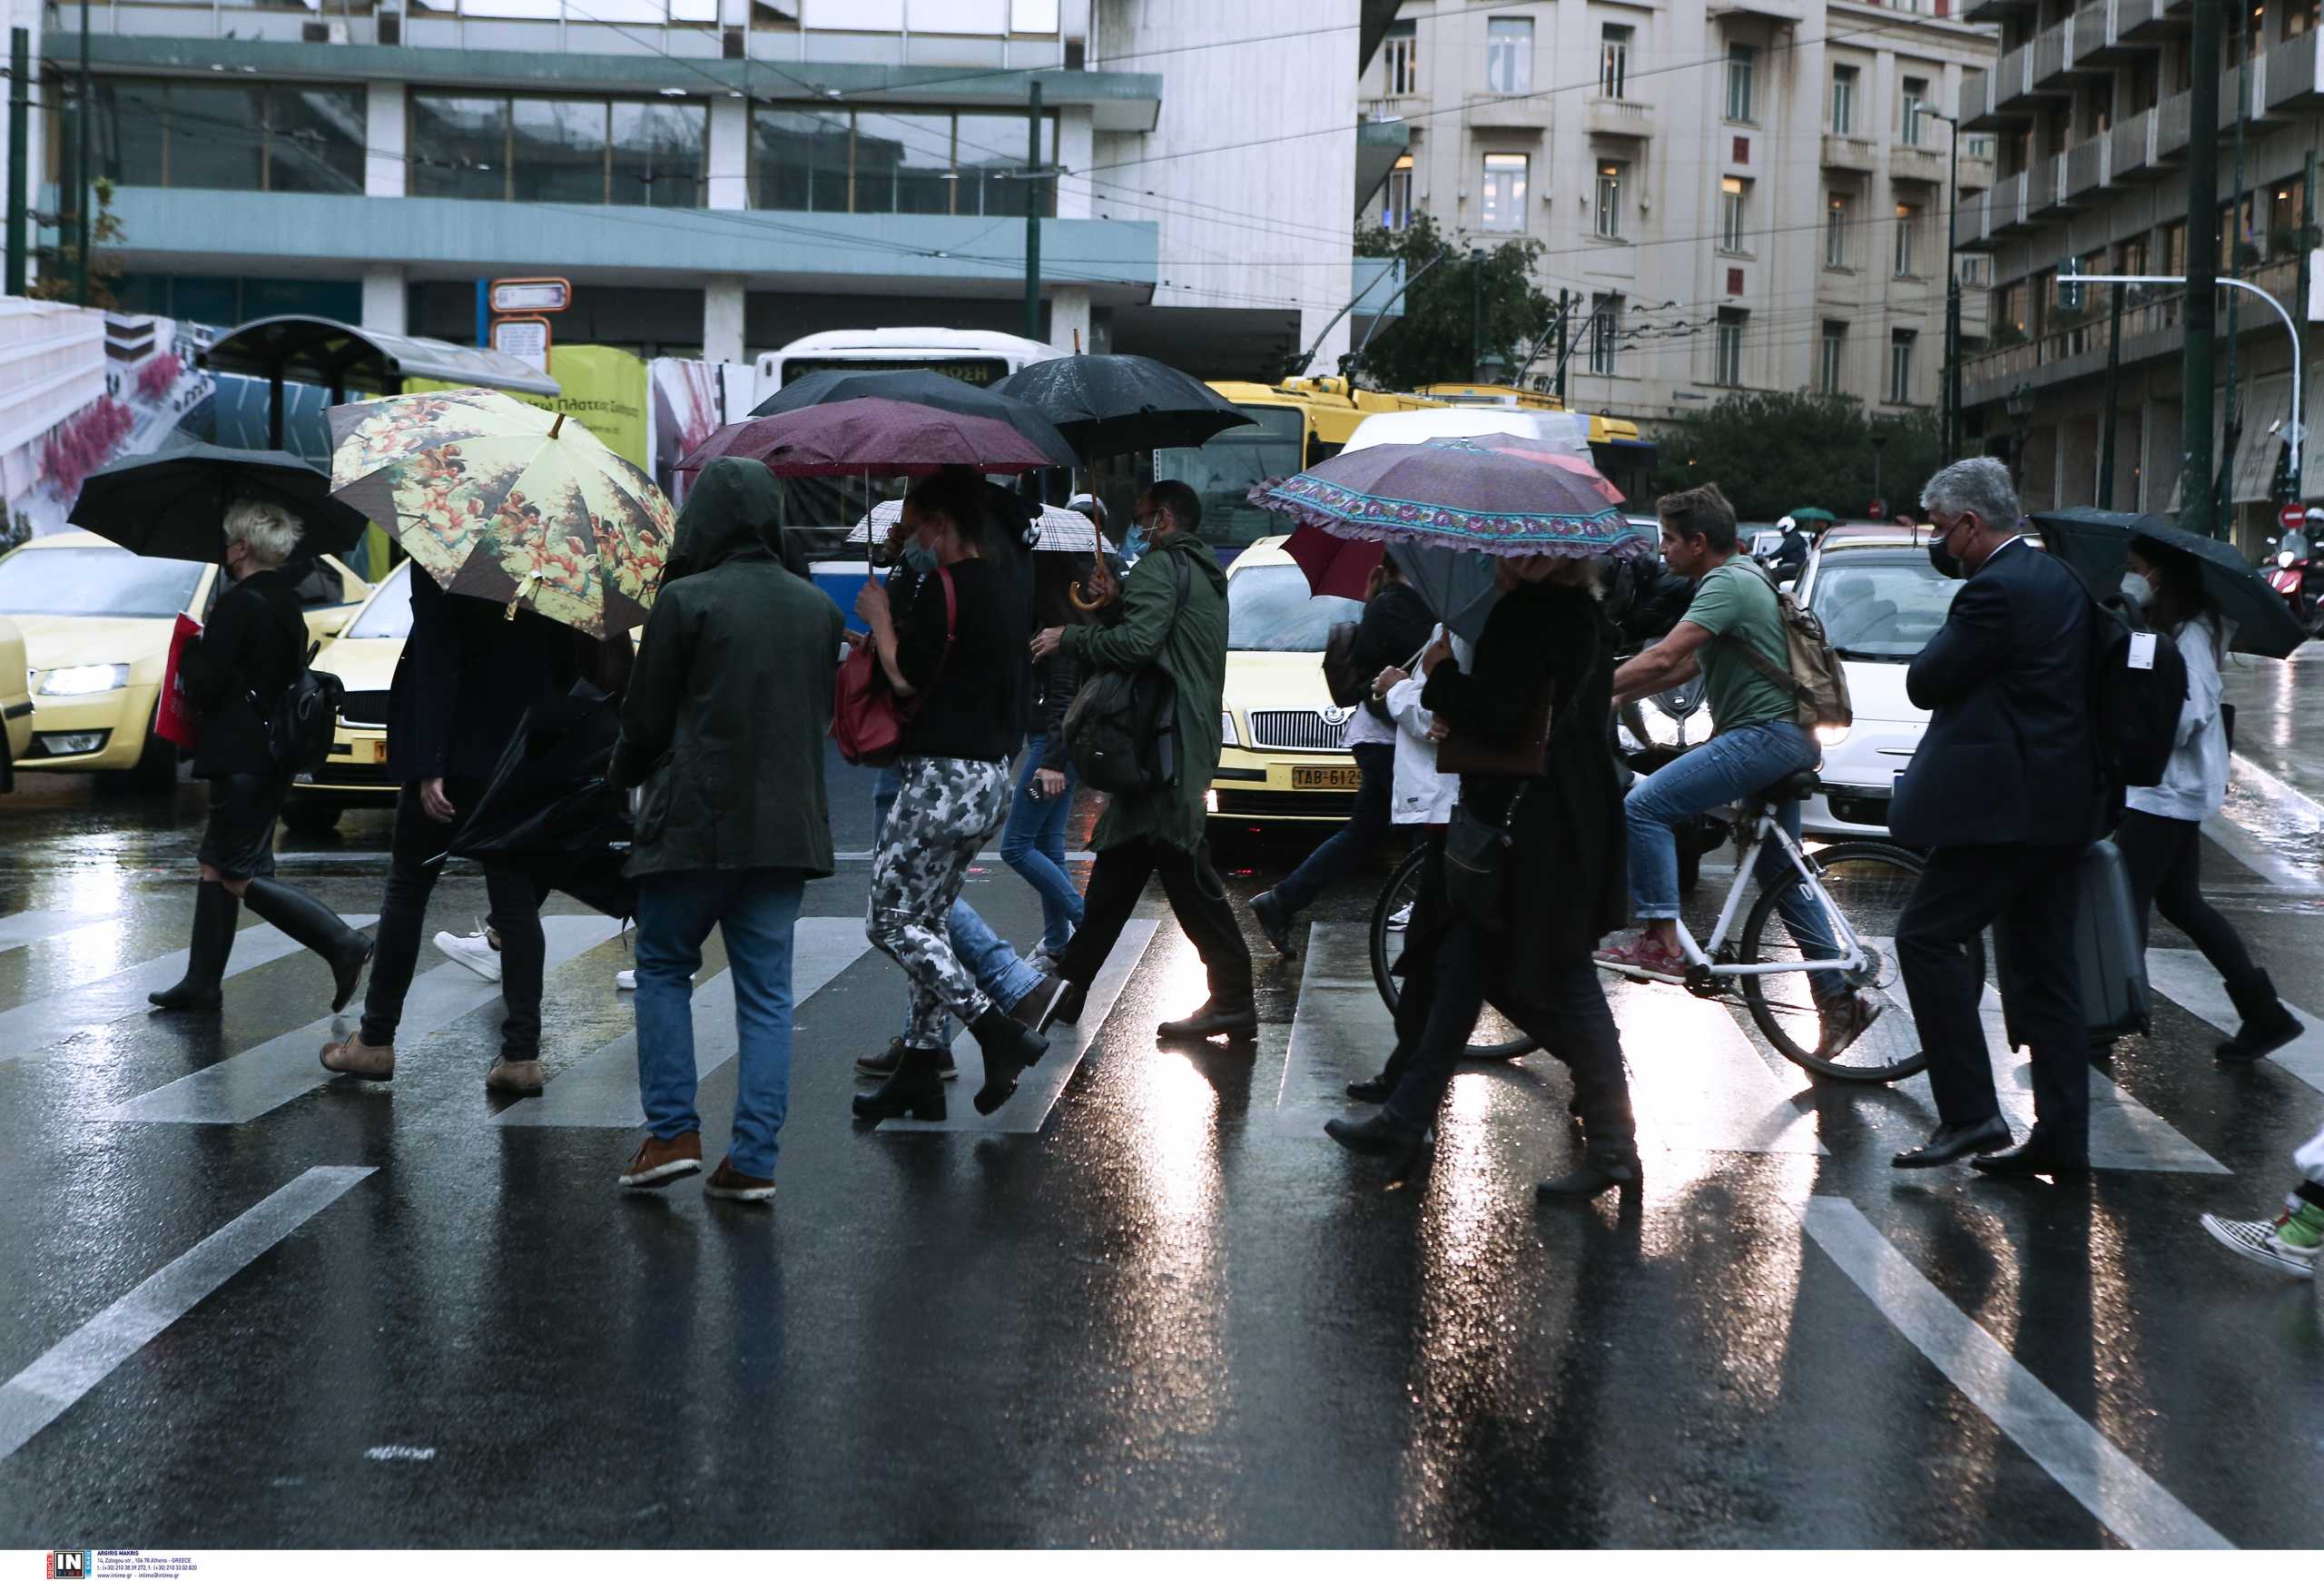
[
  {"x": 1226, "y": 737},
  {"x": 1831, "y": 735},
  {"x": 79, "y": 680}
]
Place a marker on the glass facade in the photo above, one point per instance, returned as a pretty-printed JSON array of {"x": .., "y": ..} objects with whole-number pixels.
[
  {"x": 895, "y": 161},
  {"x": 281, "y": 137},
  {"x": 641, "y": 154}
]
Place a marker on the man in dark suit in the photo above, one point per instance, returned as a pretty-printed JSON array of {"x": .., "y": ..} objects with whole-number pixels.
[
  {"x": 466, "y": 674},
  {"x": 2003, "y": 789}
]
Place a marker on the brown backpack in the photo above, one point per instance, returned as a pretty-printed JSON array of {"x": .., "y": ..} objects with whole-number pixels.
[{"x": 1818, "y": 683}]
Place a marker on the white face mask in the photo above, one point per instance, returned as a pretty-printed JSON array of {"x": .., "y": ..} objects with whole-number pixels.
[{"x": 2137, "y": 591}]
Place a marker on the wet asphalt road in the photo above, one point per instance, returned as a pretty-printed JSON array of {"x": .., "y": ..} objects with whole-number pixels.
[{"x": 248, "y": 1307}]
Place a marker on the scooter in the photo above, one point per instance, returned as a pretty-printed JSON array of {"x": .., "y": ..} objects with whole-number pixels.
[{"x": 2294, "y": 578}]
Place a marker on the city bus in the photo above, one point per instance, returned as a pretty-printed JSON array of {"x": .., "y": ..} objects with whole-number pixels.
[
  {"x": 980, "y": 357},
  {"x": 1617, "y": 449}
]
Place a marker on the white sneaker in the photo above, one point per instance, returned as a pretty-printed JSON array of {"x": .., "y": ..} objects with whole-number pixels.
[
  {"x": 473, "y": 951},
  {"x": 2257, "y": 1240},
  {"x": 626, "y": 982}
]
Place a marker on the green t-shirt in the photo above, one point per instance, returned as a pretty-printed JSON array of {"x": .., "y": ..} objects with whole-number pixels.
[{"x": 1737, "y": 604}]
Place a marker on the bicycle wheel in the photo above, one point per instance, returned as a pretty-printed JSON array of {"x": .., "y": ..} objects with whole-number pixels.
[
  {"x": 1495, "y": 1037},
  {"x": 1867, "y": 882}
]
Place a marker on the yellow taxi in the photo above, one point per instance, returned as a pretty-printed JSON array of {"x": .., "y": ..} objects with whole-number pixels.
[
  {"x": 363, "y": 657},
  {"x": 1282, "y": 760},
  {"x": 15, "y": 691},
  {"x": 97, "y": 622}
]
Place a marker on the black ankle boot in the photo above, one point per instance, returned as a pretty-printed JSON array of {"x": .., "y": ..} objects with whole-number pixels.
[
  {"x": 2267, "y": 1024},
  {"x": 1230, "y": 1015},
  {"x": 1008, "y": 1045},
  {"x": 1604, "y": 1166},
  {"x": 1379, "y": 1136},
  {"x": 215, "y": 913},
  {"x": 316, "y": 926},
  {"x": 916, "y": 1090}
]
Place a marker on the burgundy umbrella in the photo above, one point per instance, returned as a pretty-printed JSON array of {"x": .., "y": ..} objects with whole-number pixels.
[
  {"x": 871, "y": 435},
  {"x": 1338, "y": 568}
]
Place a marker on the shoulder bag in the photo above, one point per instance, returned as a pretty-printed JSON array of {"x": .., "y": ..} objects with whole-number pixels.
[
  {"x": 868, "y": 718},
  {"x": 1122, "y": 729},
  {"x": 1476, "y": 849}
]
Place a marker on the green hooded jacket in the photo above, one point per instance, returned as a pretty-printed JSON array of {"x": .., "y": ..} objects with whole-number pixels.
[
  {"x": 725, "y": 719},
  {"x": 1190, "y": 646}
]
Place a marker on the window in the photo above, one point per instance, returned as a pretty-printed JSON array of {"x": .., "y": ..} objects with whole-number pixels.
[
  {"x": 893, "y": 163},
  {"x": 1741, "y": 61},
  {"x": 1613, "y": 60},
  {"x": 1504, "y": 189},
  {"x": 1727, "y": 346},
  {"x": 647, "y": 153},
  {"x": 1900, "y": 366},
  {"x": 1844, "y": 101},
  {"x": 1978, "y": 270},
  {"x": 278, "y": 137},
  {"x": 1835, "y": 230},
  {"x": 1509, "y": 54},
  {"x": 1834, "y": 361},
  {"x": 1732, "y": 193},
  {"x": 1396, "y": 208},
  {"x": 1909, "y": 224},
  {"x": 1915, "y": 96},
  {"x": 1610, "y": 199},
  {"x": 1605, "y": 325},
  {"x": 905, "y": 164},
  {"x": 1400, "y": 56}
]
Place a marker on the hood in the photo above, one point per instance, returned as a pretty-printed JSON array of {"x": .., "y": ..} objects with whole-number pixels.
[
  {"x": 733, "y": 506},
  {"x": 1198, "y": 553},
  {"x": 1876, "y": 691},
  {"x": 54, "y": 641},
  {"x": 362, "y": 664}
]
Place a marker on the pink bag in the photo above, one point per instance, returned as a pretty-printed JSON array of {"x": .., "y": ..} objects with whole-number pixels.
[{"x": 868, "y": 718}]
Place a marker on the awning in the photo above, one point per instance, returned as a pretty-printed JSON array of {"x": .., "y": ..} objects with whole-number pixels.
[
  {"x": 2267, "y": 405},
  {"x": 343, "y": 357}
]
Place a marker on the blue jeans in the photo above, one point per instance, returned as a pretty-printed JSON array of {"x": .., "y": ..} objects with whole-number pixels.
[
  {"x": 1033, "y": 844},
  {"x": 1366, "y": 830},
  {"x": 756, "y": 910},
  {"x": 1003, "y": 974},
  {"x": 1727, "y": 768}
]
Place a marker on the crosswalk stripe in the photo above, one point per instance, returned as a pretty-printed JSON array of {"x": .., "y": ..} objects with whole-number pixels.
[
  {"x": 84, "y": 1359},
  {"x": 30, "y": 927},
  {"x": 259, "y": 1080},
  {"x": 38, "y": 1026},
  {"x": 2087, "y": 1464},
  {"x": 601, "y": 1090},
  {"x": 1038, "y": 1089},
  {"x": 2190, "y": 982}
]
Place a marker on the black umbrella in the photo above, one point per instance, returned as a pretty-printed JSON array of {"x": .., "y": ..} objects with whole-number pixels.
[
  {"x": 2097, "y": 544},
  {"x": 1109, "y": 405},
  {"x": 172, "y": 504},
  {"x": 918, "y": 387}
]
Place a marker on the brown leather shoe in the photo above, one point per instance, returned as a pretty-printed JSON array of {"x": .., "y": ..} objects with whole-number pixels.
[
  {"x": 728, "y": 1183},
  {"x": 508, "y": 1076},
  {"x": 1034, "y": 1009},
  {"x": 657, "y": 1162},
  {"x": 351, "y": 1056}
]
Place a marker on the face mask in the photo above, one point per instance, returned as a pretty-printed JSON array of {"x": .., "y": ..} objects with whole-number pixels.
[
  {"x": 1135, "y": 543},
  {"x": 920, "y": 558},
  {"x": 2137, "y": 591},
  {"x": 1943, "y": 561}
]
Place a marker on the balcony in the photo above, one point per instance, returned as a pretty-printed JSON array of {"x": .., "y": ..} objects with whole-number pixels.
[
  {"x": 2233, "y": 87},
  {"x": 2045, "y": 191},
  {"x": 2150, "y": 21},
  {"x": 2095, "y": 38},
  {"x": 2174, "y": 120},
  {"x": 2005, "y": 207},
  {"x": 2295, "y": 76},
  {"x": 1789, "y": 11},
  {"x": 1511, "y": 113},
  {"x": 1915, "y": 161},
  {"x": 1860, "y": 154},
  {"x": 2047, "y": 59},
  {"x": 2006, "y": 91},
  {"x": 2131, "y": 155},
  {"x": 1992, "y": 10},
  {"x": 1975, "y": 175},
  {"x": 2088, "y": 171},
  {"x": 1620, "y": 118}
]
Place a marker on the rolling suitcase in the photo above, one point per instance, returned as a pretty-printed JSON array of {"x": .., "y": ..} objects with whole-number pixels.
[{"x": 2109, "y": 960}]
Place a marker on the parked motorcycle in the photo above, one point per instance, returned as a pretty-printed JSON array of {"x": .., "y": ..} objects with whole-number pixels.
[{"x": 2296, "y": 578}]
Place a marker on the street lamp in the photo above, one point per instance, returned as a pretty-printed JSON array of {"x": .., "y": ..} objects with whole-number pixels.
[{"x": 1952, "y": 287}]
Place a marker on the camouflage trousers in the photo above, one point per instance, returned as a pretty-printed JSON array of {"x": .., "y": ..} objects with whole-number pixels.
[{"x": 947, "y": 809}]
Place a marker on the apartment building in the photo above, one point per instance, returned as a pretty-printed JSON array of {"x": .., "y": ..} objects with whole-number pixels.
[
  {"x": 2092, "y": 105},
  {"x": 718, "y": 177},
  {"x": 1742, "y": 194}
]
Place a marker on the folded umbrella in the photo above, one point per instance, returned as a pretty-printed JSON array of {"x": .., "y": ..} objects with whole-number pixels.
[
  {"x": 2097, "y": 545},
  {"x": 1498, "y": 493},
  {"x": 871, "y": 435},
  {"x": 172, "y": 504},
  {"x": 547, "y": 811},
  {"x": 1110, "y": 405},
  {"x": 918, "y": 387}
]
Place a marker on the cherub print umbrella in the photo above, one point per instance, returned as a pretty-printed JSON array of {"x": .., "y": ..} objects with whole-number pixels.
[
  {"x": 1496, "y": 494},
  {"x": 500, "y": 501}
]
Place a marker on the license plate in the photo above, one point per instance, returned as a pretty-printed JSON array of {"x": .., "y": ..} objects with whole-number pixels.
[{"x": 1346, "y": 779}]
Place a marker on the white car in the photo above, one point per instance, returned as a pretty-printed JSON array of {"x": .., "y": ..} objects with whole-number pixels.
[{"x": 1880, "y": 601}]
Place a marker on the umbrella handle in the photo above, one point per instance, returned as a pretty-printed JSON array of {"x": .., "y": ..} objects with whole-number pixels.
[{"x": 1091, "y": 605}]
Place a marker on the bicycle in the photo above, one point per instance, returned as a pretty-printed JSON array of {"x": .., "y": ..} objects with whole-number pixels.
[{"x": 1861, "y": 887}]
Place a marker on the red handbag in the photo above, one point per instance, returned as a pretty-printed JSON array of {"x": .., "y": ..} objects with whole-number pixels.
[{"x": 868, "y": 718}]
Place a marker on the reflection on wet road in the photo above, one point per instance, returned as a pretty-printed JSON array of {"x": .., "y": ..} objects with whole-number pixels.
[{"x": 1146, "y": 1303}]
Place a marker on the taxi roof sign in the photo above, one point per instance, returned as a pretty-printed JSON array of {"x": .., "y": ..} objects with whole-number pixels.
[{"x": 531, "y": 296}]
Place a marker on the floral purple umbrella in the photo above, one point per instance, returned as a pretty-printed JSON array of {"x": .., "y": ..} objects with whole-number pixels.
[{"x": 1499, "y": 494}]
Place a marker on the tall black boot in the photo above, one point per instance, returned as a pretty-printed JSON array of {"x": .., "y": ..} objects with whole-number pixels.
[
  {"x": 1008, "y": 1045},
  {"x": 215, "y": 913},
  {"x": 2267, "y": 1024},
  {"x": 317, "y": 926},
  {"x": 917, "y": 1089}
]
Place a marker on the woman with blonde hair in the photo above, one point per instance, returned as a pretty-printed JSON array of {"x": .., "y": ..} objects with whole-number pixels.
[{"x": 235, "y": 674}]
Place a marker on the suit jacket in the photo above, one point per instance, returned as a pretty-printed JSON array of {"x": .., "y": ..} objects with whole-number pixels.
[
  {"x": 2009, "y": 757},
  {"x": 466, "y": 675}
]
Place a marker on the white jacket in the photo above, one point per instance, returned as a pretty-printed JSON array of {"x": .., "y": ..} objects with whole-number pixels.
[
  {"x": 1422, "y": 794},
  {"x": 2195, "y": 782}
]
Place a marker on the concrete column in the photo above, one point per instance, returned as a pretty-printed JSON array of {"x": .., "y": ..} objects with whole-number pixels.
[
  {"x": 1069, "y": 317},
  {"x": 730, "y": 132},
  {"x": 385, "y": 299},
  {"x": 384, "y": 132},
  {"x": 1076, "y": 142},
  {"x": 722, "y": 320}
]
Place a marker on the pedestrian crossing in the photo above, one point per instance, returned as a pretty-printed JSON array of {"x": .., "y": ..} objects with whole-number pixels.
[{"x": 32, "y": 927}]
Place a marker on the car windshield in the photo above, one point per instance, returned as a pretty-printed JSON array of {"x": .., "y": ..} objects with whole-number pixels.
[
  {"x": 389, "y": 613},
  {"x": 95, "y": 581},
  {"x": 1880, "y": 604},
  {"x": 1223, "y": 470},
  {"x": 1270, "y": 610}
]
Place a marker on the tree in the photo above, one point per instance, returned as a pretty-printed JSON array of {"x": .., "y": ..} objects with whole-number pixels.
[
  {"x": 1773, "y": 453},
  {"x": 56, "y": 263},
  {"x": 1431, "y": 343}
]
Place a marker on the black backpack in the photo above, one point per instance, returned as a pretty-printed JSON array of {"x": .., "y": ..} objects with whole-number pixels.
[
  {"x": 2138, "y": 684},
  {"x": 304, "y": 721},
  {"x": 1122, "y": 730}
]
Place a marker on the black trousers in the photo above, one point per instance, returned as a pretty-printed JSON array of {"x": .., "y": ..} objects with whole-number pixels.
[
  {"x": 2164, "y": 857},
  {"x": 1560, "y": 1002},
  {"x": 515, "y": 915},
  {"x": 1197, "y": 894},
  {"x": 2027, "y": 895}
]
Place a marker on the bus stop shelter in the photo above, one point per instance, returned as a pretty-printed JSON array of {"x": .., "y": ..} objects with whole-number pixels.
[{"x": 341, "y": 359}]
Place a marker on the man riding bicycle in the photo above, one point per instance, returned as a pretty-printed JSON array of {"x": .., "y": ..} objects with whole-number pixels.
[{"x": 1757, "y": 743}]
